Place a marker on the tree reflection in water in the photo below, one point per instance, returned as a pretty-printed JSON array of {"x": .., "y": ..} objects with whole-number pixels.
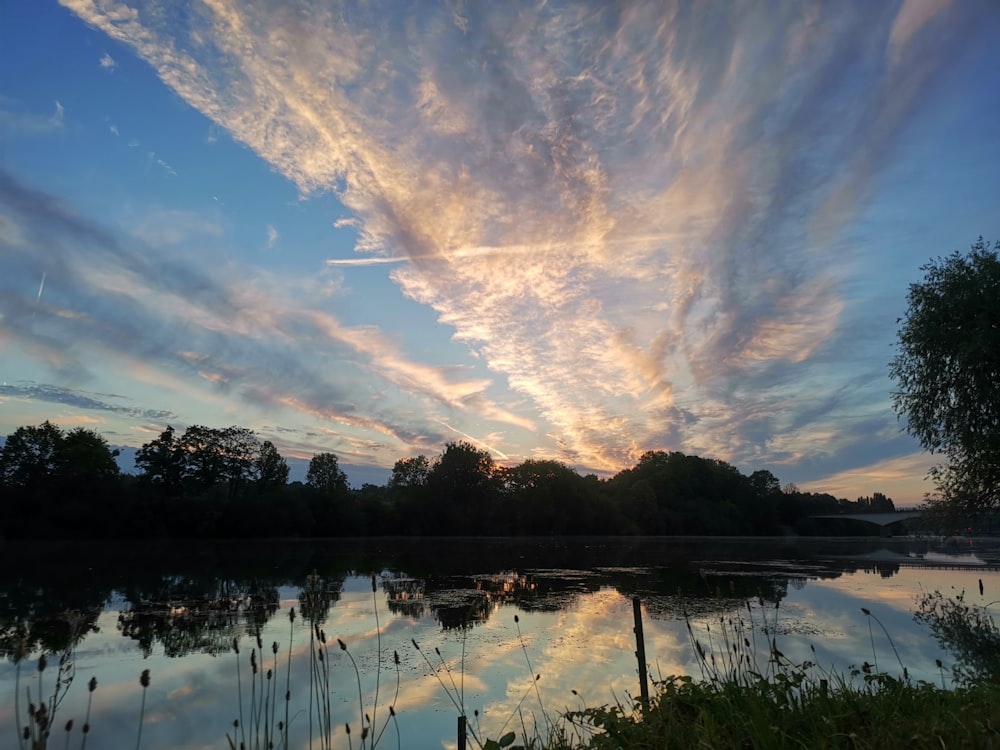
[
  {"x": 197, "y": 600},
  {"x": 188, "y": 615}
]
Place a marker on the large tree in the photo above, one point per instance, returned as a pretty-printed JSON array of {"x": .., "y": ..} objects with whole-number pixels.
[
  {"x": 947, "y": 373},
  {"x": 272, "y": 468},
  {"x": 410, "y": 472},
  {"x": 464, "y": 485},
  {"x": 161, "y": 462},
  {"x": 32, "y": 456},
  {"x": 325, "y": 473}
]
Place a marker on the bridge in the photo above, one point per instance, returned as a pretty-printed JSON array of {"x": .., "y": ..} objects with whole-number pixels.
[{"x": 879, "y": 519}]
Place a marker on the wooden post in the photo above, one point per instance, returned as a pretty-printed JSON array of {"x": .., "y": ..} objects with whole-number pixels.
[
  {"x": 461, "y": 733},
  {"x": 640, "y": 651}
]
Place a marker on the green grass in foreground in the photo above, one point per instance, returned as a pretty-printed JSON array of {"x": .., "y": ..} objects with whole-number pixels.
[
  {"x": 740, "y": 703},
  {"x": 884, "y": 713}
]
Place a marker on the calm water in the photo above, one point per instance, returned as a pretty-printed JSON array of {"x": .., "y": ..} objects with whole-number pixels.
[{"x": 176, "y": 609}]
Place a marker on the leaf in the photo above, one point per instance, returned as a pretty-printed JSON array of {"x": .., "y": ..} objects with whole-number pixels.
[{"x": 507, "y": 739}]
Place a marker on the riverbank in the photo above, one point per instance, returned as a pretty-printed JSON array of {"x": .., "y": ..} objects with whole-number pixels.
[{"x": 880, "y": 713}]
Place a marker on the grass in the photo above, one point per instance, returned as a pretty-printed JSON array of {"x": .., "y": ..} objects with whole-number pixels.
[
  {"x": 778, "y": 713},
  {"x": 747, "y": 694}
]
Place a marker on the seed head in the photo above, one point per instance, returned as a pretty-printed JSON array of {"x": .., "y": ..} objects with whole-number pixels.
[
  {"x": 69, "y": 725},
  {"x": 144, "y": 678},
  {"x": 343, "y": 646},
  {"x": 92, "y": 685},
  {"x": 43, "y": 662},
  {"x": 274, "y": 647},
  {"x": 866, "y": 611}
]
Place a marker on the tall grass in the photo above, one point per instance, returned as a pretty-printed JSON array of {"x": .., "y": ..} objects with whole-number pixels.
[{"x": 746, "y": 693}]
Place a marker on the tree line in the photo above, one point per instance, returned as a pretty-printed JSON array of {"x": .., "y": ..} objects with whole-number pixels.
[{"x": 228, "y": 483}]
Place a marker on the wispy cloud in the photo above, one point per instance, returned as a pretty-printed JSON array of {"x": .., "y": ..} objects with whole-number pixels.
[
  {"x": 14, "y": 120},
  {"x": 154, "y": 159},
  {"x": 107, "y": 62},
  {"x": 272, "y": 237},
  {"x": 634, "y": 212},
  {"x": 80, "y": 399},
  {"x": 363, "y": 261},
  {"x": 258, "y": 339}
]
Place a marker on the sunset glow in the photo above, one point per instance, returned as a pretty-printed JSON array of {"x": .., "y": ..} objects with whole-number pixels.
[{"x": 569, "y": 230}]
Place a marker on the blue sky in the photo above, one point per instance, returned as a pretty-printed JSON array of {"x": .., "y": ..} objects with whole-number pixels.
[{"x": 572, "y": 230}]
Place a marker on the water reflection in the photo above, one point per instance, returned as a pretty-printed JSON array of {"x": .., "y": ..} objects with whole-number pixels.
[
  {"x": 49, "y": 609},
  {"x": 179, "y": 607},
  {"x": 195, "y": 615}
]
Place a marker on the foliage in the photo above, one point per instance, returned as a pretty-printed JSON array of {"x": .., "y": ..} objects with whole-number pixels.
[
  {"x": 325, "y": 473},
  {"x": 947, "y": 372},
  {"x": 410, "y": 472},
  {"x": 883, "y": 712},
  {"x": 212, "y": 482},
  {"x": 271, "y": 469},
  {"x": 161, "y": 463},
  {"x": 37, "y": 457},
  {"x": 966, "y": 630},
  {"x": 465, "y": 487}
]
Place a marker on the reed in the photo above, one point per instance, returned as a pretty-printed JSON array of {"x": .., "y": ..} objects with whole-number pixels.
[{"x": 747, "y": 693}]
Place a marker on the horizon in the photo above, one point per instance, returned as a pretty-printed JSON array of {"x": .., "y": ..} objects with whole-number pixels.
[{"x": 565, "y": 230}]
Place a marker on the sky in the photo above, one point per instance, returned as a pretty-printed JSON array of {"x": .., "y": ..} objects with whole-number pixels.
[{"x": 556, "y": 230}]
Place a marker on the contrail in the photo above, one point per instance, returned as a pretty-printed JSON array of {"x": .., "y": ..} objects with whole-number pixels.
[
  {"x": 363, "y": 261},
  {"x": 41, "y": 286},
  {"x": 471, "y": 439}
]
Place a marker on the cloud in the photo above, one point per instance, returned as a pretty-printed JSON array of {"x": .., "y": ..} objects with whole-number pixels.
[
  {"x": 913, "y": 15},
  {"x": 107, "y": 62},
  {"x": 183, "y": 323},
  {"x": 272, "y": 237},
  {"x": 79, "y": 399},
  {"x": 17, "y": 122},
  {"x": 154, "y": 159},
  {"x": 167, "y": 227},
  {"x": 633, "y": 213}
]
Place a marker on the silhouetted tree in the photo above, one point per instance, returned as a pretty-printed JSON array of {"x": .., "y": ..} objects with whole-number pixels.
[
  {"x": 947, "y": 373},
  {"x": 464, "y": 488},
  {"x": 88, "y": 458},
  {"x": 161, "y": 462},
  {"x": 31, "y": 458},
  {"x": 272, "y": 469},
  {"x": 410, "y": 472},
  {"x": 325, "y": 473}
]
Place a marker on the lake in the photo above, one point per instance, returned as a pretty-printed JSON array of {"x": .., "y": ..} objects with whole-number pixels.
[{"x": 488, "y": 616}]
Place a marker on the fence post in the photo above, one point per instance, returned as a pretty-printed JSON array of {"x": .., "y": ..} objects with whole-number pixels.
[
  {"x": 461, "y": 733},
  {"x": 640, "y": 651}
]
